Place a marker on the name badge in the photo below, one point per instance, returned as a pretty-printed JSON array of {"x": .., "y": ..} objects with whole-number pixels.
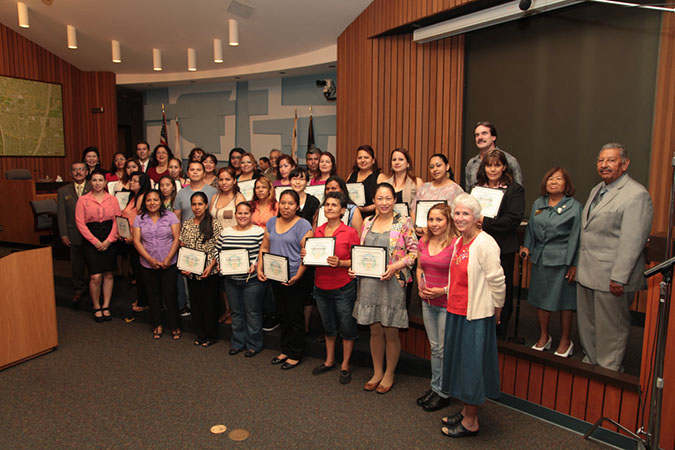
[{"x": 537, "y": 212}]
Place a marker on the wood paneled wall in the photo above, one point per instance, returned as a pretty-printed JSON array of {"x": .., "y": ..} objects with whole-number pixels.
[{"x": 81, "y": 92}]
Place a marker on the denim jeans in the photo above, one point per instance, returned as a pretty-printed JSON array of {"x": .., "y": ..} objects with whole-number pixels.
[
  {"x": 182, "y": 293},
  {"x": 434, "y": 323},
  {"x": 335, "y": 308},
  {"x": 246, "y": 303}
]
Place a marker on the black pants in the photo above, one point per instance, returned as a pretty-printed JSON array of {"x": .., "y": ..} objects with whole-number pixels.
[
  {"x": 162, "y": 287},
  {"x": 291, "y": 305},
  {"x": 141, "y": 291},
  {"x": 80, "y": 280},
  {"x": 204, "y": 299},
  {"x": 507, "y": 261}
]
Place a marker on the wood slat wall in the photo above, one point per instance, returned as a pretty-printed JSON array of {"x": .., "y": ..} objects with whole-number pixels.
[{"x": 81, "y": 92}]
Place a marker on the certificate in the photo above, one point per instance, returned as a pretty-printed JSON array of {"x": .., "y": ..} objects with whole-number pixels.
[
  {"x": 321, "y": 217},
  {"x": 112, "y": 185},
  {"x": 246, "y": 189},
  {"x": 318, "y": 250},
  {"x": 279, "y": 190},
  {"x": 234, "y": 262},
  {"x": 123, "y": 228},
  {"x": 423, "y": 207},
  {"x": 276, "y": 267},
  {"x": 490, "y": 200},
  {"x": 402, "y": 209},
  {"x": 193, "y": 261},
  {"x": 369, "y": 261},
  {"x": 316, "y": 191},
  {"x": 357, "y": 193},
  {"x": 123, "y": 199}
]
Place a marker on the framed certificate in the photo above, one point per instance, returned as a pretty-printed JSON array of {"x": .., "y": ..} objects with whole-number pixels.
[
  {"x": 112, "y": 185},
  {"x": 423, "y": 207},
  {"x": 193, "y": 261},
  {"x": 123, "y": 199},
  {"x": 357, "y": 193},
  {"x": 490, "y": 200},
  {"x": 403, "y": 209},
  {"x": 318, "y": 250},
  {"x": 279, "y": 190},
  {"x": 234, "y": 262},
  {"x": 321, "y": 217},
  {"x": 369, "y": 261},
  {"x": 276, "y": 267},
  {"x": 246, "y": 188},
  {"x": 123, "y": 227},
  {"x": 316, "y": 191}
]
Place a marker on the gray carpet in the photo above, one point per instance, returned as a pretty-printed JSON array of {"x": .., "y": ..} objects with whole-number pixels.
[{"x": 111, "y": 385}]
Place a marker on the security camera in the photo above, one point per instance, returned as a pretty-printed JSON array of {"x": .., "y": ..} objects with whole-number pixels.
[
  {"x": 329, "y": 89},
  {"x": 524, "y": 5}
]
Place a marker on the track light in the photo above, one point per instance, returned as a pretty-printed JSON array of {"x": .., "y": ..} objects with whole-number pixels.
[
  {"x": 217, "y": 51},
  {"x": 156, "y": 59},
  {"x": 192, "y": 60},
  {"x": 72, "y": 37},
  {"x": 234, "y": 32},
  {"x": 23, "y": 15},
  {"x": 116, "y": 52}
]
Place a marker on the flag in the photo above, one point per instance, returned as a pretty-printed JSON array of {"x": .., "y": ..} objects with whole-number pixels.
[
  {"x": 310, "y": 136},
  {"x": 162, "y": 136},
  {"x": 294, "y": 142},
  {"x": 176, "y": 146}
]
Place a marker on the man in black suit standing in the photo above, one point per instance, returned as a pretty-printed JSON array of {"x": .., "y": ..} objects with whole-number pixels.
[{"x": 66, "y": 199}]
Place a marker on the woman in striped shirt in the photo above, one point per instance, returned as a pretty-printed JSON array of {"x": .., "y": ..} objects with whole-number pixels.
[{"x": 244, "y": 291}]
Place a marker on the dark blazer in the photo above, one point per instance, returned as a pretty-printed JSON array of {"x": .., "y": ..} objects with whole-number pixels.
[
  {"x": 503, "y": 227},
  {"x": 66, "y": 200},
  {"x": 311, "y": 207},
  {"x": 552, "y": 233}
]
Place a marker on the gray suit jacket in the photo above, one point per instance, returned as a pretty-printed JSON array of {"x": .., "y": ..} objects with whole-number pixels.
[
  {"x": 613, "y": 237},
  {"x": 66, "y": 199}
]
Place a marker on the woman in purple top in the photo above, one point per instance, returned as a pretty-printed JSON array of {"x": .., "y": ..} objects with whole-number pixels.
[
  {"x": 434, "y": 253},
  {"x": 156, "y": 233}
]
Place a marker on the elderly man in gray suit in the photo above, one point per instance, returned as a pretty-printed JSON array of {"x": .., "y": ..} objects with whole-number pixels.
[
  {"x": 615, "y": 225},
  {"x": 66, "y": 199}
]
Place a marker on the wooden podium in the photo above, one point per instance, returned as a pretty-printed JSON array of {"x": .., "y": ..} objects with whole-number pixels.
[{"x": 27, "y": 305}]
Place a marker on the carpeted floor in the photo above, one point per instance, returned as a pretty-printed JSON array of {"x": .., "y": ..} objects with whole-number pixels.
[{"x": 111, "y": 385}]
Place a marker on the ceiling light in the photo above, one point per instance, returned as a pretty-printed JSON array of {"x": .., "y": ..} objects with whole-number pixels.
[
  {"x": 217, "y": 51},
  {"x": 156, "y": 59},
  {"x": 23, "y": 15},
  {"x": 192, "y": 60},
  {"x": 72, "y": 36},
  {"x": 234, "y": 32},
  {"x": 116, "y": 52}
]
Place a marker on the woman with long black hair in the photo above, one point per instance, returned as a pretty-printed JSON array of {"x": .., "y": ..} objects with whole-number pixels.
[{"x": 139, "y": 184}]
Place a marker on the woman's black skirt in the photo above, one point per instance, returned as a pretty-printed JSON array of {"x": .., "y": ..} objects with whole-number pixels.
[{"x": 100, "y": 262}]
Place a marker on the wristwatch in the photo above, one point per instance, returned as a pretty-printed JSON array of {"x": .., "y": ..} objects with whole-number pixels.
[{"x": 445, "y": 290}]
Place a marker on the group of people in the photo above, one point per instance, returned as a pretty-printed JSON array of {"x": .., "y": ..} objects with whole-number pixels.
[{"x": 460, "y": 261}]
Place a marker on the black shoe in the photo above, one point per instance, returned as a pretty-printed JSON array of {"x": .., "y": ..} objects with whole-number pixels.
[
  {"x": 208, "y": 342},
  {"x": 345, "y": 377},
  {"x": 107, "y": 318},
  {"x": 235, "y": 351},
  {"x": 98, "y": 319},
  {"x": 250, "y": 353},
  {"x": 425, "y": 398},
  {"x": 184, "y": 312},
  {"x": 75, "y": 302},
  {"x": 289, "y": 366},
  {"x": 276, "y": 360},
  {"x": 458, "y": 431},
  {"x": 270, "y": 323},
  {"x": 452, "y": 420},
  {"x": 319, "y": 370},
  {"x": 435, "y": 403}
]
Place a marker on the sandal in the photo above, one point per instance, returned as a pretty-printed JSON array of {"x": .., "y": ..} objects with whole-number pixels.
[
  {"x": 106, "y": 317},
  {"x": 177, "y": 334},
  {"x": 98, "y": 319},
  {"x": 208, "y": 342},
  {"x": 458, "y": 431},
  {"x": 157, "y": 333},
  {"x": 452, "y": 420}
]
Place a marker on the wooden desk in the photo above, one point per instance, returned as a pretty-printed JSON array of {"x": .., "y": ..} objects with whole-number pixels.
[{"x": 16, "y": 216}]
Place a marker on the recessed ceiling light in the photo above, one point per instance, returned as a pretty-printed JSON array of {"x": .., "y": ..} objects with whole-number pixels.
[
  {"x": 116, "y": 52},
  {"x": 217, "y": 51},
  {"x": 234, "y": 32},
  {"x": 72, "y": 36},
  {"x": 192, "y": 59},
  {"x": 23, "y": 15},
  {"x": 156, "y": 59}
]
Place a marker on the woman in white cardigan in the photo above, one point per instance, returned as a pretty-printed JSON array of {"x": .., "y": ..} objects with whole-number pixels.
[{"x": 475, "y": 298}]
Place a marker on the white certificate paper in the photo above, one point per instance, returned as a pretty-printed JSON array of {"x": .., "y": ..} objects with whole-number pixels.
[
  {"x": 369, "y": 261},
  {"x": 321, "y": 217},
  {"x": 123, "y": 199},
  {"x": 357, "y": 193},
  {"x": 279, "y": 190},
  {"x": 318, "y": 250},
  {"x": 402, "y": 209},
  {"x": 316, "y": 191},
  {"x": 123, "y": 228},
  {"x": 276, "y": 267},
  {"x": 423, "y": 207},
  {"x": 490, "y": 200},
  {"x": 246, "y": 189},
  {"x": 234, "y": 262},
  {"x": 193, "y": 261}
]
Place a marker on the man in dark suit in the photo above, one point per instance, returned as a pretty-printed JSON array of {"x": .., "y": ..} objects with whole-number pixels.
[
  {"x": 66, "y": 199},
  {"x": 615, "y": 225}
]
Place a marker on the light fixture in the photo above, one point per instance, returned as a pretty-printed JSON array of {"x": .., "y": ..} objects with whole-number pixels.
[
  {"x": 192, "y": 60},
  {"x": 72, "y": 36},
  {"x": 234, "y": 32},
  {"x": 23, "y": 15},
  {"x": 217, "y": 51},
  {"x": 486, "y": 18},
  {"x": 116, "y": 52},
  {"x": 156, "y": 59}
]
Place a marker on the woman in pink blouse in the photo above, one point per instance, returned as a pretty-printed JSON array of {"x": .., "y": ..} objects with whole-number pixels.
[{"x": 95, "y": 218}]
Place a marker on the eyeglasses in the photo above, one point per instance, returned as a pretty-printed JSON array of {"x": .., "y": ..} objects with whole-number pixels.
[{"x": 78, "y": 169}]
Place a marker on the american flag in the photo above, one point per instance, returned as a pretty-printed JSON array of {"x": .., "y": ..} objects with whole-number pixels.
[{"x": 162, "y": 136}]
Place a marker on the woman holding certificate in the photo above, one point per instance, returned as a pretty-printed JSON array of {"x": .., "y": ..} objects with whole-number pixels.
[
  {"x": 265, "y": 205},
  {"x": 116, "y": 168},
  {"x": 494, "y": 173},
  {"x": 366, "y": 172},
  {"x": 244, "y": 291},
  {"x": 95, "y": 218},
  {"x": 155, "y": 233},
  {"x": 130, "y": 166},
  {"x": 309, "y": 204},
  {"x": 168, "y": 188},
  {"x": 380, "y": 301},
  {"x": 284, "y": 239},
  {"x": 176, "y": 172},
  {"x": 476, "y": 295},
  {"x": 201, "y": 234}
]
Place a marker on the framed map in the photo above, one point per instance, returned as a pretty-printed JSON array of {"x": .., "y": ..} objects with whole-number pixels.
[{"x": 31, "y": 118}]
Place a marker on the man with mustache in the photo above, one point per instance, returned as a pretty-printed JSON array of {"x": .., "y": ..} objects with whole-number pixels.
[
  {"x": 615, "y": 225},
  {"x": 485, "y": 135}
]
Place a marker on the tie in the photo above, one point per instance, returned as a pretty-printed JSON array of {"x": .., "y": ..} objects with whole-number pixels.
[
  {"x": 79, "y": 188},
  {"x": 598, "y": 197}
]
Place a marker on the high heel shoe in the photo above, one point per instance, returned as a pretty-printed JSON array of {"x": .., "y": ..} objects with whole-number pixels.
[
  {"x": 567, "y": 353},
  {"x": 546, "y": 346}
]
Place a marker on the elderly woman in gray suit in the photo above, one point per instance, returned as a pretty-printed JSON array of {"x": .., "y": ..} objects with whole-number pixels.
[{"x": 551, "y": 240}]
